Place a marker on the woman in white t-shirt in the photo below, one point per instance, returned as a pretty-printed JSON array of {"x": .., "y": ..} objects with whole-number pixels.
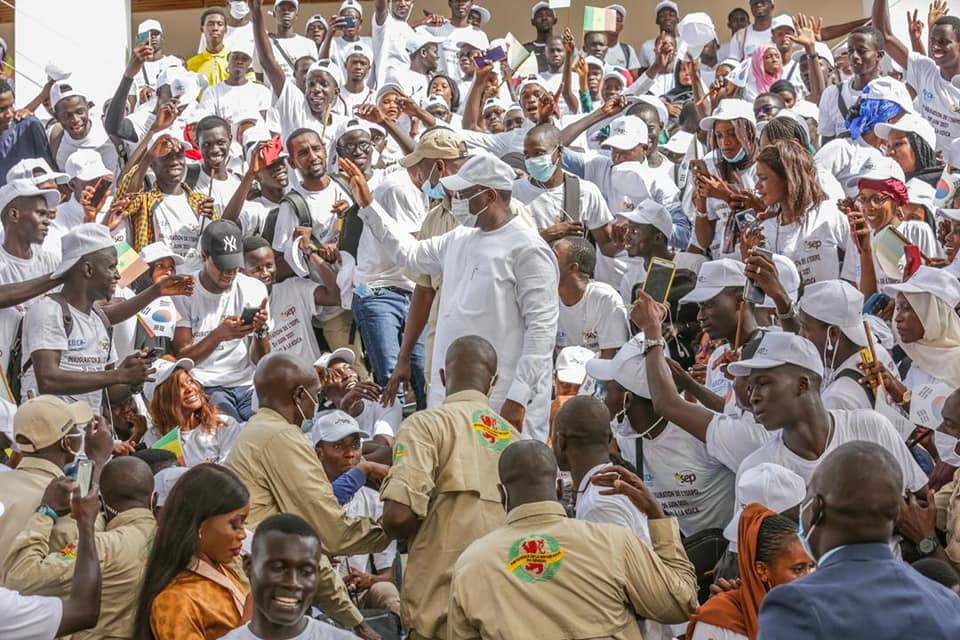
[
  {"x": 178, "y": 400},
  {"x": 800, "y": 222}
]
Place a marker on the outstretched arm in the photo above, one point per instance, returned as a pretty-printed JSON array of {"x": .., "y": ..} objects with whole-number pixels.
[
  {"x": 264, "y": 51},
  {"x": 894, "y": 47}
]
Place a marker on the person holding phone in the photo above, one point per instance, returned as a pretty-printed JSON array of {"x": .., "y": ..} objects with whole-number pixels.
[{"x": 348, "y": 23}]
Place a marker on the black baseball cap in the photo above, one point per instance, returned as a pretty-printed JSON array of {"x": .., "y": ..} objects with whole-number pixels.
[{"x": 222, "y": 241}]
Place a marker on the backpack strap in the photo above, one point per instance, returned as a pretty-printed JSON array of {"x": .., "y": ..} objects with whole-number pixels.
[
  {"x": 286, "y": 56},
  {"x": 853, "y": 374},
  {"x": 625, "y": 48},
  {"x": 571, "y": 196},
  {"x": 841, "y": 103},
  {"x": 67, "y": 325},
  {"x": 352, "y": 226},
  {"x": 192, "y": 176}
]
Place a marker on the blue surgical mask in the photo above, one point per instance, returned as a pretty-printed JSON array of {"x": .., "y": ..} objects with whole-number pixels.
[
  {"x": 740, "y": 157},
  {"x": 306, "y": 424},
  {"x": 433, "y": 191},
  {"x": 540, "y": 168},
  {"x": 805, "y": 535}
]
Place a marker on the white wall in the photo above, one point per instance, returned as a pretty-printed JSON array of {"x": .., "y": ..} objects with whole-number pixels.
[{"x": 56, "y": 30}]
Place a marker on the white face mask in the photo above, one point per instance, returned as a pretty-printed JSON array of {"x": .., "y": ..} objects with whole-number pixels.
[
  {"x": 947, "y": 448},
  {"x": 460, "y": 209},
  {"x": 239, "y": 9}
]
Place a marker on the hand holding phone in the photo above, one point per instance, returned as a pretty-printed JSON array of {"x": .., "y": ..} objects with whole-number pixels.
[
  {"x": 659, "y": 279},
  {"x": 142, "y": 39},
  {"x": 246, "y": 317},
  {"x": 84, "y": 476}
]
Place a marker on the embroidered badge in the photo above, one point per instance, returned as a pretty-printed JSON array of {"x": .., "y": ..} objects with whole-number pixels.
[
  {"x": 491, "y": 430},
  {"x": 535, "y": 558},
  {"x": 400, "y": 451},
  {"x": 69, "y": 553}
]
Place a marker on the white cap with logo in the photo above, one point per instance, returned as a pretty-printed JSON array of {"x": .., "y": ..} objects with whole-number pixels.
[
  {"x": 626, "y": 133},
  {"x": 652, "y": 213},
  {"x": 332, "y": 426},
  {"x": 778, "y": 348},
  {"x": 775, "y": 487},
  {"x": 627, "y": 368},
  {"x": 80, "y": 241},
  {"x": 35, "y": 170},
  {"x": 714, "y": 277},
  {"x": 836, "y": 303},
  {"x": 729, "y": 109},
  {"x": 26, "y": 188},
  {"x": 939, "y": 283},
  {"x": 86, "y": 165},
  {"x": 162, "y": 370},
  {"x": 572, "y": 364}
]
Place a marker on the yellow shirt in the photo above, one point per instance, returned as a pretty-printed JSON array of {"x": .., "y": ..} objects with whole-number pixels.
[
  {"x": 211, "y": 65},
  {"x": 445, "y": 471},
  {"x": 543, "y": 575}
]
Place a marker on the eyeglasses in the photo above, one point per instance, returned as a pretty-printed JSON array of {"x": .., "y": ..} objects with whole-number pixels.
[
  {"x": 353, "y": 147},
  {"x": 766, "y": 109},
  {"x": 874, "y": 202}
]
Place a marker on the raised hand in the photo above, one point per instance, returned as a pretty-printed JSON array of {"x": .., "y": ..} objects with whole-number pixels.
[
  {"x": 938, "y": 9},
  {"x": 176, "y": 285},
  {"x": 915, "y": 25},
  {"x": 369, "y": 112},
  {"x": 357, "y": 181}
]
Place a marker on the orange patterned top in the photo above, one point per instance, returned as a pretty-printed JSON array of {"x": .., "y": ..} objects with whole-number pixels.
[{"x": 195, "y": 608}]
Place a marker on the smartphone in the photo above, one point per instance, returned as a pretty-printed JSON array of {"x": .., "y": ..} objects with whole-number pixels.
[
  {"x": 155, "y": 353},
  {"x": 660, "y": 275},
  {"x": 349, "y": 22},
  {"x": 100, "y": 190},
  {"x": 752, "y": 293},
  {"x": 746, "y": 220},
  {"x": 142, "y": 39},
  {"x": 247, "y": 316},
  {"x": 699, "y": 166},
  {"x": 84, "y": 476},
  {"x": 876, "y": 303}
]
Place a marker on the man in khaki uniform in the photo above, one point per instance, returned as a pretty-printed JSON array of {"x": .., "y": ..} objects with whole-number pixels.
[
  {"x": 543, "y": 575},
  {"x": 441, "y": 493},
  {"x": 274, "y": 459},
  {"x": 35, "y": 568}
]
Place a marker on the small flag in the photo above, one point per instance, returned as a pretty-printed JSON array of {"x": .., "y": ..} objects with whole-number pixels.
[
  {"x": 945, "y": 189},
  {"x": 129, "y": 264},
  {"x": 516, "y": 52},
  {"x": 171, "y": 443},
  {"x": 527, "y": 68},
  {"x": 890, "y": 250},
  {"x": 738, "y": 76},
  {"x": 159, "y": 318},
  {"x": 559, "y": 4},
  {"x": 597, "y": 19}
]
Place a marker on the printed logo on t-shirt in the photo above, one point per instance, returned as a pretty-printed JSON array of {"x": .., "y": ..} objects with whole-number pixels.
[
  {"x": 491, "y": 430},
  {"x": 685, "y": 477},
  {"x": 928, "y": 95},
  {"x": 535, "y": 558}
]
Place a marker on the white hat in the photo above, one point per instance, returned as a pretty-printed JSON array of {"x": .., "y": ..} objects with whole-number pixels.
[
  {"x": 696, "y": 30},
  {"x": 388, "y": 86},
  {"x": 482, "y": 169},
  {"x": 679, "y": 142},
  {"x": 62, "y": 90},
  {"x": 349, "y": 125},
  {"x": 532, "y": 80},
  {"x": 537, "y": 7},
  {"x": 880, "y": 330},
  {"x": 164, "y": 481},
  {"x": 617, "y": 73},
  {"x": 318, "y": 18},
  {"x": 878, "y": 168},
  {"x": 909, "y": 123},
  {"x": 572, "y": 364},
  {"x": 295, "y": 3},
  {"x": 789, "y": 278},
  {"x": 950, "y": 214},
  {"x": 657, "y": 104},
  {"x": 158, "y": 251},
  {"x": 623, "y": 12},
  {"x": 351, "y": 4},
  {"x": 86, "y": 165},
  {"x": 329, "y": 67},
  {"x": 238, "y": 42},
  {"x": 806, "y": 109},
  {"x": 626, "y": 133},
  {"x": 821, "y": 49},
  {"x": 55, "y": 72},
  {"x": 689, "y": 261},
  {"x": 331, "y": 426},
  {"x": 473, "y": 38},
  {"x": 920, "y": 192},
  {"x": 729, "y": 109},
  {"x": 776, "y": 349},
  {"x": 484, "y": 13},
  {"x": 25, "y": 188},
  {"x": 432, "y": 99},
  {"x": 149, "y": 25},
  {"x": 35, "y": 170},
  {"x": 491, "y": 103},
  {"x": 653, "y": 213},
  {"x": 838, "y": 304},
  {"x": 627, "y": 368},
  {"x": 775, "y": 487},
  {"x": 714, "y": 277},
  {"x": 82, "y": 240},
  {"x": 163, "y": 369},
  {"x": 733, "y": 63},
  {"x": 420, "y": 39},
  {"x": 887, "y": 88},
  {"x": 343, "y": 353},
  {"x": 937, "y": 282},
  {"x": 358, "y": 48},
  {"x": 595, "y": 61},
  {"x": 783, "y": 20}
]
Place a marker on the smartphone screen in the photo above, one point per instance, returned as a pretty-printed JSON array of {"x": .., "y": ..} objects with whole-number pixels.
[
  {"x": 699, "y": 166},
  {"x": 746, "y": 220},
  {"x": 247, "y": 316},
  {"x": 660, "y": 276},
  {"x": 100, "y": 192},
  {"x": 349, "y": 22},
  {"x": 84, "y": 476},
  {"x": 496, "y": 54},
  {"x": 142, "y": 38},
  {"x": 751, "y": 292}
]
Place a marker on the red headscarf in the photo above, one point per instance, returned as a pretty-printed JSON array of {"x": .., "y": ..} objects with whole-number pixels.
[{"x": 738, "y": 610}]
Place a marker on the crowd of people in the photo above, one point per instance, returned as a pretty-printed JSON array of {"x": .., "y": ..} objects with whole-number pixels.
[{"x": 432, "y": 333}]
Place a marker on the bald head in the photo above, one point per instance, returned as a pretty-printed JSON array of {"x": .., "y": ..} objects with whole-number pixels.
[
  {"x": 280, "y": 373},
  {"x": 546, "y": 134},
  {"x": 528, "y": 472},
  {"x": 126, "y": 482},
  {"x": 585, "y": 420},
  {"x": 470, "y": 363}
]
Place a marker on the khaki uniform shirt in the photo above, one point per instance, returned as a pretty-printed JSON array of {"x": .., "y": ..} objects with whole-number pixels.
[
  {"x": 445, "y": 470},
  {"x": 543, "y": 575},
  {"x": 21, "y": 491},
  {"x": 281, "y": 471},
  {"x": 123, "y": 546}
]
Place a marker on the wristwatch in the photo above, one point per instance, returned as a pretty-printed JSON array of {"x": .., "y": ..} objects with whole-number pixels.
[
  {"x": 791, "y": 314},
  {"x": 905, "y": 400},
  {"x": 650, "y": 344},
  {"x": 48, "y": 511},
  {"x": 928, "y": 545}
]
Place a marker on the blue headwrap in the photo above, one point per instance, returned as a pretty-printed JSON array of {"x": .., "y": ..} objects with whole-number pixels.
[{"x": 871, "y": 112}]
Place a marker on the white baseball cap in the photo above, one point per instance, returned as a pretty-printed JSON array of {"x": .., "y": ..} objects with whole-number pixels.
[
  {"x": 938, "y": 282},
  {"x": 35, "y": 170},
  {"x": 616, "y": 73},
  {"x": 679, "y": 142},
  {"x": 420, "y": 39},
  {"x": 838, "y": 304},
  {"x": 238, "y": 42},
  {"x": 163, "y": 369},
  {"x": 540, "y": 5},
  {"x": 783, "y": 20},
  {"x": 663, "y": 4},
  {"x": 164, "y": 481},
  {"x": 623, "y": 12},
  {"x": 295, "y": 3},
  {"x": 482, "y": 169},
  {"x": 352, "y": 4},
  {"x": 492, "y": 103},
  {"x": 158, "y": 251},
  {"x": 714, "y": 277},
  {"x": 388, "y": 86},
  {"x": 25, "y": 188},
  {"x": 805, "y": 109},
  {"x": 358, "y": 48},
  {"x": 86, "y": 165},
  {"x": 473, "y": 38},
  {"x": 778, "y": 348},
  {"x": 331, "y": 426},
  {"x": 349, "y": 125},
  {"x": 729, "y": 109},
  {"x": 775, "y": 487},
  {"x": 626, "y": 133},
  {"x": 532, "y": 80},
  {"x": 61, "y": 91},
  {"x": 572, "y": 364},
  {"x": 878, "y": 168},
  {"x": 343, "y": 353},
  {"x": 627, "y": 368},
  {"x": 149, "y": 25},
  {"x": 653, "y": 213},
  {"x": 595, "y": 61},
  {"x": 887, "y": 88},
  {"x": 318, "y": 18},
  {"x": 696, "y": 30},
  {"x": 789, "y": 278},
  {"x": 922, "y": 193},
  {"x": 822, "y": 50},
  {"x": 909, "y": 123},
  {"x": 82, "y": 240},
  {"x": 56, "y": 72},
  {"x": 432, "y": 99},
  {"x": 484, "y": 13},
  {"x": 657, "y": 104},
  {"x": 329, "y": 67}
]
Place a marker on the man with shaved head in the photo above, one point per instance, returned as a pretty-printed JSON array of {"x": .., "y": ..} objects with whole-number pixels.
[
  {"x": 441, "y": 492},
  {"x": 853, "y": 502},
  {"x": 566, "y": 578},
  {"x": 34, "y": 568},
  {"x": 274, "y": 459}
]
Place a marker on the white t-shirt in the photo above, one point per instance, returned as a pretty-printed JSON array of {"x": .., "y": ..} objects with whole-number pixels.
[
  {"x": 202, "y": 445},
  {"x": 88, "y": 348},
  {"x": 450, "y": 47},
  {"x": 295, "y": 48},
  {"x": 229, "y": 365},
  {"x": 598, "y": 321},
  {"x": 719, "y": 211},
  {"x": 315, "y": 630},
  {"x": 254, "y": 215},
  {"x": 689, "y": 484},
  {"x": 321, "y": 213},
  {"x": 389, "y": 45},
  {"x": 175, "y": 223},
  {"x": 704, "y": 631},
  {"x": 293, "y": 112},
  {"x": 96, "y": 139},
  {"x": 743, "y": 42},
  {"x": 413, "y": 82},
  {"x": 366, "y": 503},
  {"x": 378, "y": 420},
  {"x": 546, "y": 205},
  {"x": 592, "y": 506},
  {"x": 352, "y": 100},
  {"x": 15, "y": 270},
  {"x": 937, "y": 99},
  {"x": 844, "y": 158},
  {"x": 615, "y": 56},
  {"x": 918, "y": 233},
  {"x": 151, "y": 69},
  {"x": 830, "y": 122},
  {"x": 222, "y": 191},
  {"x": 848, "y": 426},
  {"x": 292, "y": 308},
  {"x": 715, "y": 380},
  {"x": 227, "y": 101},
  {"x": 340, "y": 48},
  {"x": 29, "y": 617},
  {"x": 814, "y": 244},
  {"x": 731, "y": 439}
]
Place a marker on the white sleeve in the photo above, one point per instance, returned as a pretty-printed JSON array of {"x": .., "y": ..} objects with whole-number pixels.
[
  {"x": 29, "y": 617},
  {"x": 828, "y": 122},
  {"x": 614, "y": 328},
  {"x": 421, "y": 257},
  {"x": 704, "y": 631},
  {"x": 43, "y": 328},
  {"x": 289, "y": 107},
  {"x": 913, "y": 476},
  {"x": 595, "y": 213},
  {"x": 731, "y": 440},
  {"x": 499, "y": 144},
  {"x": 850, "y": 271},
  {"x": 919, "y": 70},
  {"x": 286, "y": 225}
]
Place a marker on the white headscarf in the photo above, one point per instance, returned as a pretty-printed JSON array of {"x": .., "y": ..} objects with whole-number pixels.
[{"x": 938, "y": 352}]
